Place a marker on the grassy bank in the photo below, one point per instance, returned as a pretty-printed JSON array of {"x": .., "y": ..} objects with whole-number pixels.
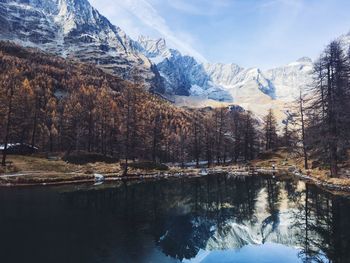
[
  {"x": 37, "y": 170},
  {"x": 295, "y": 164},
  {"x": 31, "y": 170}
]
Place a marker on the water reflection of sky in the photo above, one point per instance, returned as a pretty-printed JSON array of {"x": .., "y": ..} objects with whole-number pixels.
[
  {"x": 266, "y": 253},
  {"x": 203, "y": 220},
  {"x": 274, "y": 223}
]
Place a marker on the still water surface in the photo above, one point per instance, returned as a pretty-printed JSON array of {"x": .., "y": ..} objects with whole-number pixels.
[{"x": 214, "y": 219}]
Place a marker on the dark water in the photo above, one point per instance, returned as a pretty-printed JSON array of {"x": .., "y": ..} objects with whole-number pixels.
[{"x": 212, "y": 219}]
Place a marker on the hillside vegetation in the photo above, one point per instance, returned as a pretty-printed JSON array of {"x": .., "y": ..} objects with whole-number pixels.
[{"x": 60, "y": 105}]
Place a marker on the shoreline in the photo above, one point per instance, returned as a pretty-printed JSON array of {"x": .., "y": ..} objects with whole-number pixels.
[
  {"x": 43, "y": 178},
  {"x": 325, "y": 185}
]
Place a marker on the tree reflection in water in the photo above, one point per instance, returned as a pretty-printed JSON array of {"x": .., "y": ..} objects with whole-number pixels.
[
  {"x": 218, "y": 212},
  {"x": 173, "y": 220}
]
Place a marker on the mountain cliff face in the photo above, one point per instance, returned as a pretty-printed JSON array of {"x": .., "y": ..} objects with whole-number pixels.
[
  {"x": 74, "y": 29},
  {"x": 185, "y": 76},
  {"x": 240, "y": 81},
  {"x": 182, "y": 75},
  {"x": 289, "y": 79}
]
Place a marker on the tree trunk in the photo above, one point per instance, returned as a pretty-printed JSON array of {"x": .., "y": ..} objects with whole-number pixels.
[
  {"x": 303, "y": 132},
  {"x": 8, "y": 124},
  {"x": 35, "y": 121}
]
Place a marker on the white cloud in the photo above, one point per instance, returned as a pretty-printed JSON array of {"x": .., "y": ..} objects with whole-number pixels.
[{"x": 119, "y": 12}]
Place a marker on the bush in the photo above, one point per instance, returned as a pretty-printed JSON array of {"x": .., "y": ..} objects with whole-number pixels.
[{"x": 85, "y": 157}]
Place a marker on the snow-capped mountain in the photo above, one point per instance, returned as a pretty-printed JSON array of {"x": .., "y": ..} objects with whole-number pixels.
[
  {"x": 156, "y": 50},
  {"x": 240, "y": 82},
  {"x": 182, "y": 75},
  {"x": 289, "y": 79},
  {"x": 74, "y": 29},
  {"x": 282, "y": 83},
  {"x": 345, "y": 41},
  {"x": 252, "y": 88}
]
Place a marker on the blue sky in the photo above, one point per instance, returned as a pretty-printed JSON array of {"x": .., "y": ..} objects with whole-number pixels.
[{"x": 251, "y": 33}]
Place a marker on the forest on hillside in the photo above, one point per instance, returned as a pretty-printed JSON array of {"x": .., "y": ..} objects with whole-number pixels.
[
  {"x": 63, "y": 106},
  {"x": 59, "y": 105}
]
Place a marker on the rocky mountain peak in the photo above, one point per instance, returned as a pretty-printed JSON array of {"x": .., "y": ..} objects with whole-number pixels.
[
  {"x": 75, "y": 29},
  {"x": 153, "y": 48},
  {"x": 304, "y": 60}
]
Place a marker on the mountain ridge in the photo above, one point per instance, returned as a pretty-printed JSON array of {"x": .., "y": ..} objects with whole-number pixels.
[
  {"x": 75, "y": 29},
  {"x": 228, "y": 82}
]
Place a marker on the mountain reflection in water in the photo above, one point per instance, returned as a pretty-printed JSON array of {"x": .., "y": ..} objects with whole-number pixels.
[{"x": 208, "y": 219}]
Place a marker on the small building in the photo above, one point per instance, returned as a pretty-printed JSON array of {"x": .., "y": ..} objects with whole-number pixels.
[{"x": 18, "y": 148}]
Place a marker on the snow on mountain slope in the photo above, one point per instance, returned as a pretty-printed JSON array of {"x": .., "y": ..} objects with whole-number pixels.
[
  {"x": 252, "y": 88},
  {"x": 223, "y": 74},
  {"x": 74, "y": 29},
  {"x": 258, "y": 90},
  {"x": 182, "y": 75},
  {"x": 156, "y": 50},
  {"x": 289, "y": 79},
  {"x": 345, "y": 41},
  {"x": 282, "y": 83},
  {"x": 240, "y": 81}
]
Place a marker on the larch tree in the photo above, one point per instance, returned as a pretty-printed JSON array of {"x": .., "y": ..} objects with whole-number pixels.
[
  {"x": 270, "y": 130},
  {"x": 10, "y": 84},
  {"x": 329, "y": 109}
]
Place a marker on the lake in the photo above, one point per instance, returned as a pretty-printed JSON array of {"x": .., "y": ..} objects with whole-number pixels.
[{"x": 212, "y": 219}]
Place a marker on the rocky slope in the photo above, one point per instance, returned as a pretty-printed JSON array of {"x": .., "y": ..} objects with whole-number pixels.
[
  {"x": 289, "y": 79},
  {"x": 74, "y": 29},
  {"x": 182, "y": 75},
  {"x": 253, "y": 88}
]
